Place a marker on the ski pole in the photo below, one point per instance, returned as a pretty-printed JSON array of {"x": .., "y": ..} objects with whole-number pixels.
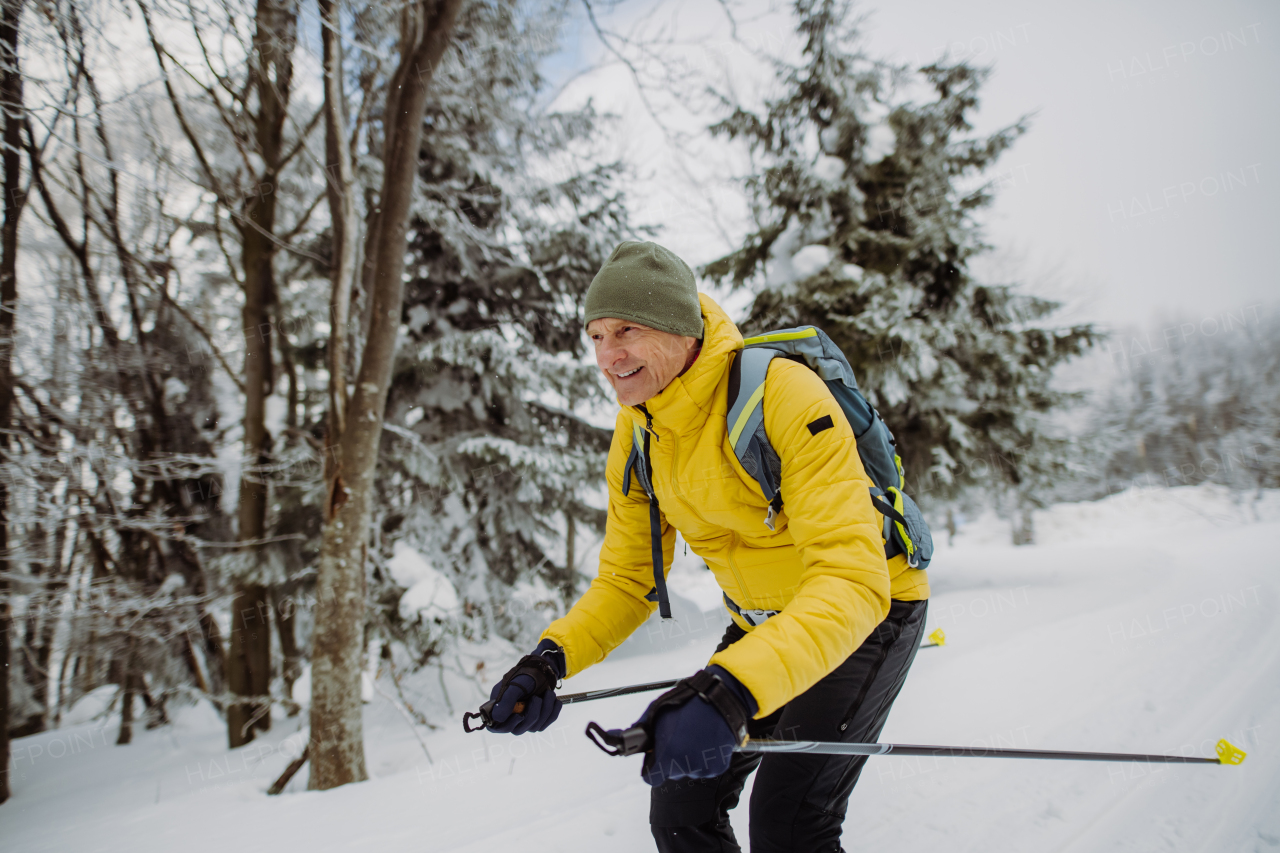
[
  {"x": 589, "y": 695},
  {"x": 486, "y": 710},
  {"x": 1227, "y": 753},
  {"x": 638, "y": 739},
  {"x": 484, "y": 715}
]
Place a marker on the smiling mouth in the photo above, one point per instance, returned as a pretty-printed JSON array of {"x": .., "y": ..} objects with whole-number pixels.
[{"x": 629, "y": 374}]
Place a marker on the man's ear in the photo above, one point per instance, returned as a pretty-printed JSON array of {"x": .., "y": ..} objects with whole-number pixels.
[{"x": 694, "y": 351}]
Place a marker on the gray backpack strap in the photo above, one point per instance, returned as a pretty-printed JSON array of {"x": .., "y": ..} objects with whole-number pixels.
[
  {"x": 810, "y": 344},
  {"x": 745, "y": 421},
  {"x": 905, "y": 530},
  {"x": 635, "y": 462}
]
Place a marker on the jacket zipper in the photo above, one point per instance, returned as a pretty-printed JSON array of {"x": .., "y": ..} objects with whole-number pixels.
[
  {"x": 733, "y": 567},
  {"x": 733, "y": 536}
]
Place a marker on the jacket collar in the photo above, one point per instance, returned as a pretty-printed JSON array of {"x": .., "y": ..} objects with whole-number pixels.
[{"x": 683, "y": 406}]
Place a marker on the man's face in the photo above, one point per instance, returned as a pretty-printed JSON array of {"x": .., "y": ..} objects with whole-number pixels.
[{"x": 639, "y": 361}]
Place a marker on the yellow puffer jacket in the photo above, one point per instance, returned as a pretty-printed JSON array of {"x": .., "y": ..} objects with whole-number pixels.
[{"x": 823, "y": 567}]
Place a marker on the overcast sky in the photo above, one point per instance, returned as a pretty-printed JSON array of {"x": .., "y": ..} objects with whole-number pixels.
[{"x": 1145, "y": 188}]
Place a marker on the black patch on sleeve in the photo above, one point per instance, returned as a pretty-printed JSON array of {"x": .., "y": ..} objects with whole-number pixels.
[{"x": 820, "y": 424}]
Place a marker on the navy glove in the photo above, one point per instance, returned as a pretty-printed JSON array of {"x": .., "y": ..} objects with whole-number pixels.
[
  {"x": 531, "y": 684},
  {"x": 694, "y": 739}
]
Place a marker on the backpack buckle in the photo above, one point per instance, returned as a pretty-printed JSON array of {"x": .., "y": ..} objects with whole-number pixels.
[
  {"x": 756, "y": 618},
  {"x": 769, "y": 518}
]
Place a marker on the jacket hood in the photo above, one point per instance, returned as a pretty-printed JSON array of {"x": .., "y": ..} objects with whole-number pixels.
[{"x": 684, "y": 404}]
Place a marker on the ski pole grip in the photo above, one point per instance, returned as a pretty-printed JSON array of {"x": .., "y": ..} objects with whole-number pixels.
[{"x": 619, "y": 741}]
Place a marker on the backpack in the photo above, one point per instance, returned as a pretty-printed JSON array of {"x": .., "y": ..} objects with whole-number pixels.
[{"x": 905, "y": 530}]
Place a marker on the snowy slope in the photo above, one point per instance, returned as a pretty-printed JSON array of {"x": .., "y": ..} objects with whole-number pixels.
[{"x": 1145, "y": 622}]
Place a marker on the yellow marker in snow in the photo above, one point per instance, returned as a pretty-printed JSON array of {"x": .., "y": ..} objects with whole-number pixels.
[
  {"x": 938, "y": 637},
  {"x": 1229, "y": 753}
]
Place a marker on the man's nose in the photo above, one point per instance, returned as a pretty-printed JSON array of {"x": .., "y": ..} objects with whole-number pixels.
[{"x": 610, "y": 354}]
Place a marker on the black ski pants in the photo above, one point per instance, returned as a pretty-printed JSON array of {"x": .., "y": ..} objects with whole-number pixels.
[{"x": 798, "y": 802}]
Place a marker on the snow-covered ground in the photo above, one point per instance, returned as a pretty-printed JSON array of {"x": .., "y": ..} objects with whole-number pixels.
[{"x": 1143, "y": 623}]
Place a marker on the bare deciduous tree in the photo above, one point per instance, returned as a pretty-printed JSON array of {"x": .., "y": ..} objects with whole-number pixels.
[
  {"x": 337, "y": 659},
  {"x": 11, "y": 104}
]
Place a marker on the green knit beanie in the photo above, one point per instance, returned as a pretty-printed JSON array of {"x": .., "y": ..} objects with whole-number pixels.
[{"x": 647, "y": 284}]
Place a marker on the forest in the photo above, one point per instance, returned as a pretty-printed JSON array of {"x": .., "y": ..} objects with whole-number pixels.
[{"x": 294, "y": 390}]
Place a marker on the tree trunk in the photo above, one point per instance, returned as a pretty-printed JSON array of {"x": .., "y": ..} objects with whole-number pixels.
[
  {"x": 215, "y": 654},
  {"x": 570, "y": 589},
  {"x": 286, "y": 625},
  {"x": 128, "y": 684},
  {"x": 249, "y": 656},
  {"x": 63, "y": 668},
  {"x": 291, "y": 521},
  {"x": 11, "y": 100},
  {"x": 340, "y": 192},
  {"x": 1024, "y": 530},
  {"x": 39, "y": 644},
  {"x": 249, "y": 661},
  {"x": 337, "y": 733},
  {"x": 192, "y": 661},
  {"x": 126, "y": 716}
]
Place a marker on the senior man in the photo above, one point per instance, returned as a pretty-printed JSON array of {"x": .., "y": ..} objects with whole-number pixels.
[{"x": 845, "y": 621}]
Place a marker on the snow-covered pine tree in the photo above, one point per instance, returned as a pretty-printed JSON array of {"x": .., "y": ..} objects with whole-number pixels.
[
  {"x": 112, "y": 483},
  {"x": 488, "y": 464},
  {"x": 1193, "y": 403},
  {"x": 864, "y": 201}
]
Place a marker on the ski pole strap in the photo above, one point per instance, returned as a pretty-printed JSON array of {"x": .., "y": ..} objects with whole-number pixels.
[
  {"x": 544, "y": 675},
  {"x": 619, "y": 741},
  {"x": 703, "y": 685},
  {"x": 483, "y": 715},
  {"x": 717, "y": 694},
  {"x": 708, "y": 687}
]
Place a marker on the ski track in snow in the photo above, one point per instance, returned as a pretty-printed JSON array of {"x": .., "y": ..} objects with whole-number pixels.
[{"x": 1145, "y": 623}]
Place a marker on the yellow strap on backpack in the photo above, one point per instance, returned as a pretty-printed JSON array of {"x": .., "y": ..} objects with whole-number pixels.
[{"x": 902, "y": 529}]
